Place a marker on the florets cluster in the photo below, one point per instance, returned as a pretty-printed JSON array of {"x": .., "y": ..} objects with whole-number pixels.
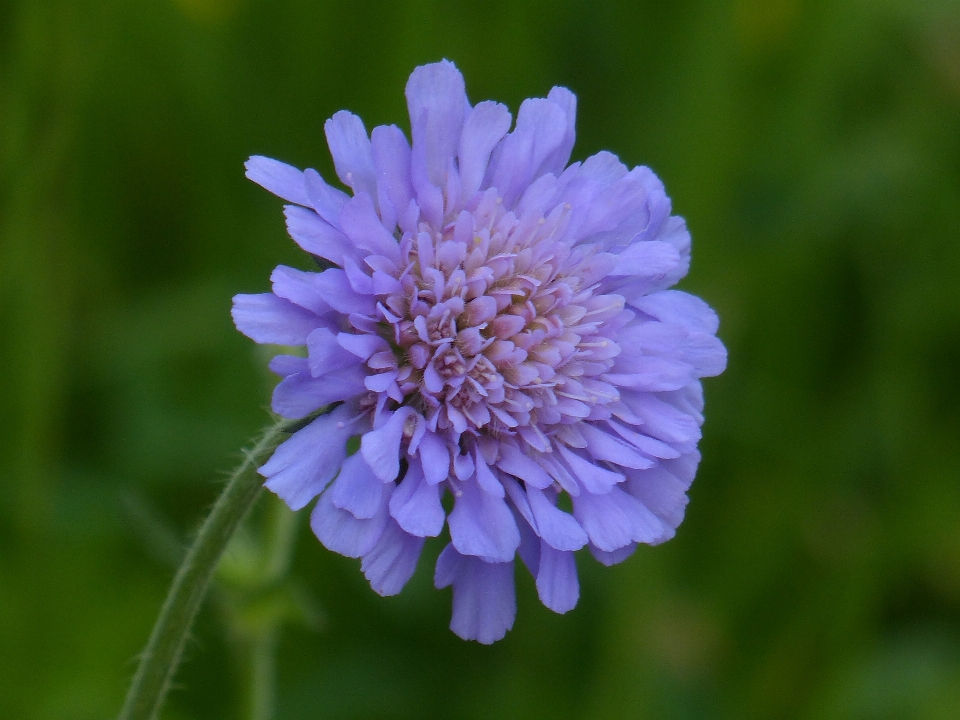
[{"x": 493, "y": 324}]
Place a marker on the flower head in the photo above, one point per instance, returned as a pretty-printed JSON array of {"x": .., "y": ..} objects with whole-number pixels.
[{"x": 492, "y": 323}]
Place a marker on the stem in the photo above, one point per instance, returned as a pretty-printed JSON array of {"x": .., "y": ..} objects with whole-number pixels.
[
  {"x": 263, "y": 646},
  {"x": 263, "y": 681},
  {"x": 160, "y": 659}
]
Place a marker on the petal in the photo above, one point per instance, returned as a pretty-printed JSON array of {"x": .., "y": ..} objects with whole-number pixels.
[
  {"x": 342, "y": 533},
  {"x": 558, "y": 159},
  {"x": 448, "y": 565},
  {"x": 485, "y": 126},
  {"x": 605, "y": 447},
  {"x": 651, "y": 259},
  {"x": 282, "y": 180},
  {"x": 612, "y": 557},
  {"x": 662, "y": 492},
  {"x": 302, "y": 466},
  {"x": 415, "y": 504},
  {"x": 662, "y": 420},
  {"x": 514, "y": 462},
  {"x": 486, "y": 479},
  {"x": 326, "y": 354},
  {"x": 296, "y": 396},
  {"x": 484, "y": 597},
  {"x": 363, "y": 346},
  {"x": 557, "y": 528},
  {"x": 594, "y": 478},
  {"x": 326, "y": 200},
  {"x": 298, "y": 287},
  {"x": 391, "y": 158},
  {"x": 557, "y": 582},
  {"x": 317, "y": 236},
  {"x": 334, "y": 288},
  {"x": 676, "y": 306},
  {"x": 616, "y": 519},
  {"x": 435, "y": 458},
  {"x": 652, "y": 374},
  {"x": 356, "y": 488},
  {"x": 362, "y": 225},
  {"x": 437, "y": 90},
  {"x": 391, "y": 562},
  {"x": 540, "y": 131},
  {"x": 645, "y": 443},
  {"x": 284, "y": 365},
  {"x": 352, "y": 156},
  {"x": 481, "y": 524},
  {"x": 381, "y": 447},
  {"x": 705, "y": 353},
  {"x": 265, "y": 318}
]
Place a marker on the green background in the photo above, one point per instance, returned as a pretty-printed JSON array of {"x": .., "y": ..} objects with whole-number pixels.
[{"x": 814, "y": 148}]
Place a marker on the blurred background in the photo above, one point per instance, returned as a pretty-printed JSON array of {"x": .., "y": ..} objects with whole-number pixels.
[{"x": 814, "y": 148}]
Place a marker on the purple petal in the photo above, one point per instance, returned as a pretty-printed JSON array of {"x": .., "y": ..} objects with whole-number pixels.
[
  {"x": 604, "y": 447},
  {"x": 356, "y": 488},
  {"x": 415, "y": 504},
  {"x": 284, "y": 365},
  {"x": 326, "y": 200},
  {"x": 514, "y": 462},
  {"x": 484, "y": 598},
  {"x": 429, "y": 197},
  {"x": 326, "y": 354},
  {"x": 352, "y": 156},
  {"x": 391, "y": 562},
  {"x": 662, "y": 420},
  {"x": 381, "y": 447},
  {"x": 448, "y": 565},
  {"x": 652, "y": 259},
  {"x": 540, "y": 131},
  {"x": 481, "y": 524},
  {"x": 363, "y": 346},
  {"x": 705, "y": 353},
  {"x": 362, "y": 225},
  {"x": 297, "y": 396},
  {"x": 282, "y": 180},
  {"x": 317, "y": 236},
  {"x": 298, "y": 287},
  {"x": 595, "y": 479},
  {"x": 437, "y": 92},
  {"x": 558, "y": 159},
  {"x": 616, "y": 519},
  {"x": 678, "y": 307},
  {"x": 334, "y": 288},
  {"x": 342, "y": 533},
  {"x": 644, "y": 443},
  {"x": 652, "y": 374},
  {"x": 435, "y": 457},
  {"x": 612, "y": 557},
  {"x": 557, "y": 582},
  {"x": 302, "y": 466},
  {"x": 265, "y": 318},
  {"x": 391, "y": 158},
  {"x": 486, "y": 479},
  {"x": 485, "y": 126},
  {"x": 553, "y": 525},
  {"x": 662, "y": 492}
]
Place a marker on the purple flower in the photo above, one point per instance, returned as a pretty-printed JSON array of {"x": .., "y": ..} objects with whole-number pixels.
[{"x": 492, "y": 323}]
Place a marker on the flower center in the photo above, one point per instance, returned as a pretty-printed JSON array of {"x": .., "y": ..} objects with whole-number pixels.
[{"x": 496, "y": 327}]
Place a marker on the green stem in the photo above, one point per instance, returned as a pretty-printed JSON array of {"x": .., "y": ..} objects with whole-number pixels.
[
  {"x": 263, "y": 646},
  {"x": 160, "y": 659},
  {"x": 263, "y": 681}
]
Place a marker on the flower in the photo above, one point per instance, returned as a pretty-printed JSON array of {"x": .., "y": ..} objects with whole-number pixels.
[{"x": 489, "y": 322}]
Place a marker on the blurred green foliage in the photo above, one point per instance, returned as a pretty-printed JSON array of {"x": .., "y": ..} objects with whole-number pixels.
[{"x": 813, "y": 146}]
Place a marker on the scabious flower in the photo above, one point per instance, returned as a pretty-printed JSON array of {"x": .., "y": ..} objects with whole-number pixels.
[{"x": 491, "y": 323}]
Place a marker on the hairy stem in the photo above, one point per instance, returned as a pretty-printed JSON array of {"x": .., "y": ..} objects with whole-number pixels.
[{"x": 160, "y": 659}]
